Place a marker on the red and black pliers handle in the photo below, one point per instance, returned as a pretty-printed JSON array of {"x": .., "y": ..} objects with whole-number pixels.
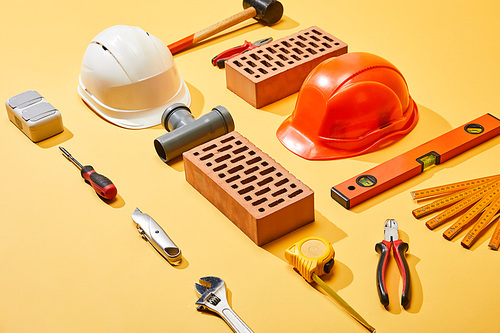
[
  {"x": 220, "y": 59},
  {"x": 400, "y": 249}
]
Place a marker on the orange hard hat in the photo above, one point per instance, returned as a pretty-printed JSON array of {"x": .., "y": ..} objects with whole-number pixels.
[{"x": 348, "y": 106}]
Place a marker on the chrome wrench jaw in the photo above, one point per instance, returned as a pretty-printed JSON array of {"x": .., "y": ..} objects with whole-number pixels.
[{"x": 213, "y": 298}]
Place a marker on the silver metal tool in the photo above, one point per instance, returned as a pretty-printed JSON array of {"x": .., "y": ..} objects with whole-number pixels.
[
  {"x": 213, "y": 298},
  {"x": 154, "y": 234}
]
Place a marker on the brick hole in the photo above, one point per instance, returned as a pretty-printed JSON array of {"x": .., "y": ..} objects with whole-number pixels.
[
  {"x": 337, "y": 43},
  {"x": 235, "y": 186},
  {"x": 275, "y": 194},
  {"x": 310, "y": 50},
  {"x": 295, "y": 57},
  {"x": 258, "y": 202},
  {"x": 301, "y": 38},
  {"x": 321, "y": 49},
  {"x": 262, "y": 70},
  {"x": 254, "y": 160},
  {"x": 257, "y": 76},
  {"x": 277, "y": 202},
  {"x": 279, "y": 64},
  {"x": 248, "y": 180},
  {"x": 274, "y": 69},
  {"x": 263, "y": 191},
  {"x": 281, "y": 182},
  {"x": 251, "y": 152},
  {"x": 265, "y": 63},
  {"x": 196, "y": 153},
  {"x": 248, "y": 70},
  {"x": 232, "y": 179},
  {"x": 290, "y": 62},
  {"x": 293, "y": 185},
  {"x": 237, "y": 63},
  {"x": 268, "y": 170},
  {"x": 246, "y": 190},
  {"x": 282, "y": 57},
  {"x": 328, "y": 38},
  {"x": 279, "y": 174},
  {"x": 206, "y": 157},
  {"x": 227, "y": 139},
  {"x": 307, "y": 33},
  {"x": 224, "y": 148},
  {"x": 326, "y": 45},
  {"x": 315, "y": 38},
  {"x": 294, "y": 194},
  {"x": 209, "y": 147},
  {"x": 313, "y": 44},
  {"x": 222, "y": 175},
  {"x": 238, "y": 142},
  {"x": 220, "y": 167},
  {"x": 300, "y": 44},
  {"x": 248, "y": 198},
  {"x": 285, "y": 51},
  {"x": 259, "y": 51},
  {"x": 235, "y": 169},
  {"x": 286, "y": 43},
  {"x": 265, "y": 163},
  {"x": 249, "y": 171},
  {"x": 237, "y": 159},
  {"x": 265, "y": 181},
  {"x": 271, "y": 50},
  {"x": 240, "y": 150},
  {"x": 306, "y": 55},
  {"x": 254, "y": 56},
  {"x": 268, "y": 57},
  {"x": 209, "y": 164},
  {"x": 244, "y": 58},
  {"x": 261, "y": 210},
  {"x": 251, "y": 63},
  {"x": 292, "y": 39},
  {"x": 222, "y": 158},
  {"x": 316, "y": 32},
  {"x": 297, "y": 50}
]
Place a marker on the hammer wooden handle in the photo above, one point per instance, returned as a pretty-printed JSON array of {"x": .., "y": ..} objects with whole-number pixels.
[{"x": 212, "y": 30}]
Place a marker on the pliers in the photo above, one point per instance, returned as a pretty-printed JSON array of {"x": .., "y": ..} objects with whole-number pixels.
[
  {"x": 220, "y": 59},
  {"x": 400, "y": 248}
]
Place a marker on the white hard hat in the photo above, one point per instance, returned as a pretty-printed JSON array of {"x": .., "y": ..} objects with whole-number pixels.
[{"x": 129, "y": 77}]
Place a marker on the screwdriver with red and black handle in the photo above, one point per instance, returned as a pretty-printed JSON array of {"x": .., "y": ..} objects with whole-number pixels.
[{"x": 101, "y": 184}]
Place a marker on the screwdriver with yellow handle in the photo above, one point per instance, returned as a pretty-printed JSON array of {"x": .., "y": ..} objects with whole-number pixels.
[{"x": 313, "y": 256}]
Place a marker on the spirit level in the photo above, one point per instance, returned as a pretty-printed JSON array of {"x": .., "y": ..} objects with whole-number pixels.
[{"x": 403, "y": 167}]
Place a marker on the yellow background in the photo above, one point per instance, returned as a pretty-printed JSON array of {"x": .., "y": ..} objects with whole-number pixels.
[{"x": 71, "y": 263}]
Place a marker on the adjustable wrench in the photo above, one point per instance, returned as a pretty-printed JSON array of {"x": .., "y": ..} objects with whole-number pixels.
[{"x": 213, "y": 298}]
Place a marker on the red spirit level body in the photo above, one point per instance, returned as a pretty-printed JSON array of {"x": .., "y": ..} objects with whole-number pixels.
[{"x": 403, "y": 167}]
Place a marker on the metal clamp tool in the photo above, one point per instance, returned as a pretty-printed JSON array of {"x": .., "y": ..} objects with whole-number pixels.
[{"x": 154, "y": 234}]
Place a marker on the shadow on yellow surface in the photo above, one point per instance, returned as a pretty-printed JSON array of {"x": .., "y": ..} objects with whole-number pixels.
[
  {"x": 116, "y": 202},
  {"x": 56, "y": 139}
]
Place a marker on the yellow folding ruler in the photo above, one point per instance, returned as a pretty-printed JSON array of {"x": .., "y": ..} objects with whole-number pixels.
[{"x": 476, "y": 200}]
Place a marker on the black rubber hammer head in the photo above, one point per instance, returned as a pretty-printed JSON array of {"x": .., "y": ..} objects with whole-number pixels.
[{"x": 269, "y": 11}]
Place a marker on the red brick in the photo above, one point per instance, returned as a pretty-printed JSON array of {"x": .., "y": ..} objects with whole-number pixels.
[
  {"x": 254, "y": 191},
  {"x": 273, "y": 71}
]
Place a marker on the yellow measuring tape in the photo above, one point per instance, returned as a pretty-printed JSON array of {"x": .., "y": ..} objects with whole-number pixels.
[{"x": 483, "y": 194}]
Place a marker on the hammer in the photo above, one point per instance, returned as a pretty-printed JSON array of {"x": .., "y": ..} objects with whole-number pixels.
[{"x": 268, "y": 11}]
